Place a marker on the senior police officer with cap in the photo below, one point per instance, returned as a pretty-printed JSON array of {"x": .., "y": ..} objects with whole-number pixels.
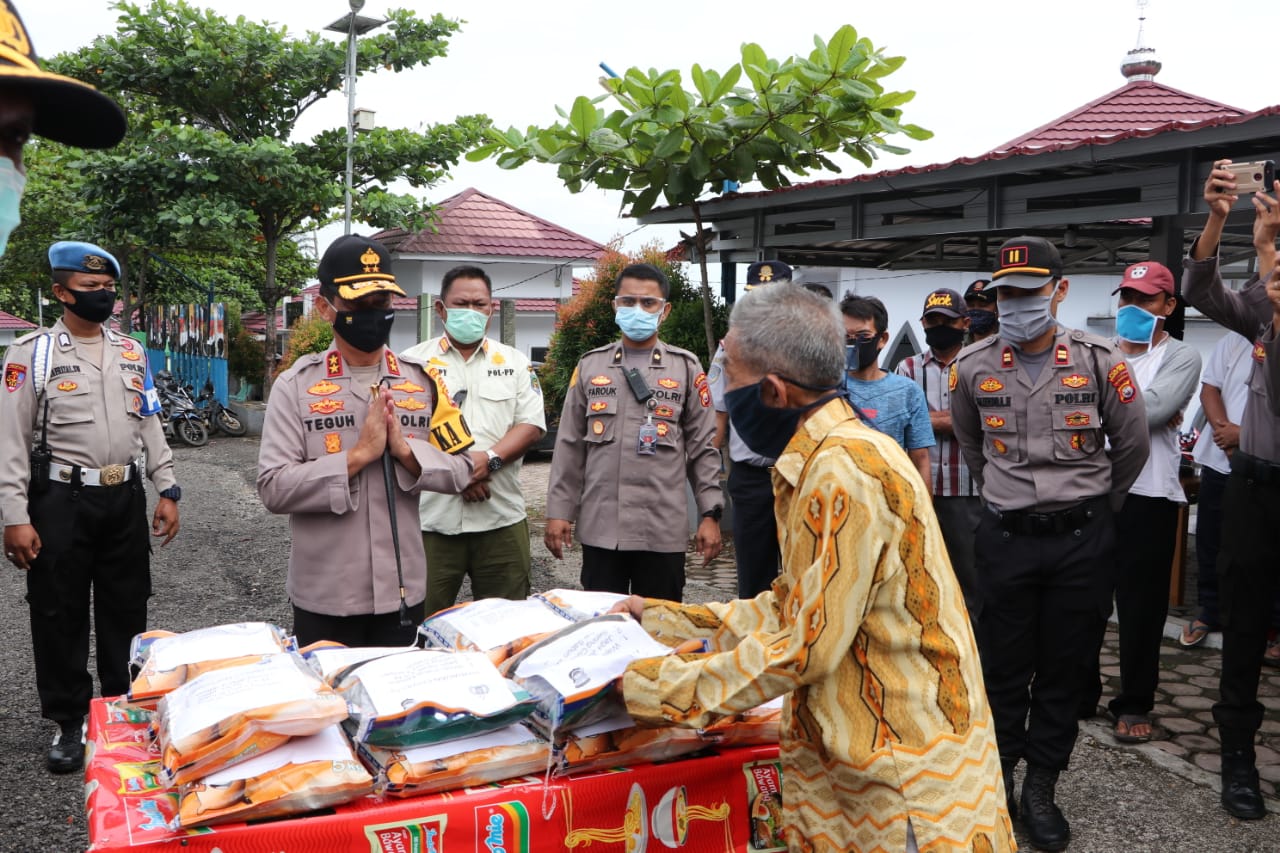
[
  {"x": 79, "y": 433},
  {"x": 636, "y": 425},
  {"x": 1247, "y": 574},
  {"x": 1033, "y": 409},
  {"x": 755, "y": 532},
  {"x": 322, "y": 460}
]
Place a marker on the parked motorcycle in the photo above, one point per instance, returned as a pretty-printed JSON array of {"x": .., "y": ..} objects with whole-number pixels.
[
  {"x": 217, "y": 416},
  {"x": 180, "y": 415}
]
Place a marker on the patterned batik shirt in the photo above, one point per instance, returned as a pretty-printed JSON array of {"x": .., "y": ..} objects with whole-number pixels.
[{"x": 886, "y": 718}]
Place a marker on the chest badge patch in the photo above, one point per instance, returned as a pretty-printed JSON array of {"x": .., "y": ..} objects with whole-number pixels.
[
  {"x": 410, "y": 404},
  {"x": 14, "y": 376},
  {"x": 138, "y": 384},
  {"x": 953, "y": 377},
  {"x": 991, "y": 385},
  {"x": 408, "y": 387},
  {"x": 137, "y": 404},
  {"x": 67, "y": 387},
  {"x": 670, "y": 384},
  {"x": 665, "y": 412},
  {"x": 994, "y": 421},
  {"x": 1259, "y": 352},
  {"x": 498, "y": 359},
  {"x": 1075, "y": 380},
  {"x": 599, "y": 406},
  {"x": 601, "y": 380},
  {"x": 130, "y": 355},
  {"x": 332, "y": 442},
  {"x": 1078, "y": 419},
  {"x": 1119, "y": 378},
  {"x": 438, "y": 362},
  {"x": 999, "y": 447},
  {"x": 324, "y": 388},
  {"x": 663, "y": 429},
  {"x": 327, "y": 406},
  {"x": 597, "y": 427}
]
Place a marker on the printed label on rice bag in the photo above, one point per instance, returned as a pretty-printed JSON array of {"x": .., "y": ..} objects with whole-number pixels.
[
  {"x": 591, "y": 655},
  {"x": 420, "y": 836},
  {"x": 460, "y": 680},
  {"x": 502, "y": 828},
  {"x": 491, "y": 622},
  {"x": 219, "y": 643},
  {"x": 764, "y": 805}
]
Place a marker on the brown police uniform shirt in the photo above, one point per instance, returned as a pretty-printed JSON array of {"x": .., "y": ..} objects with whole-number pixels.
[
  {"x": 1043, "y": 445},
  {"x": 342, "y": 560},
  {"x": 619, "y": 498},
  {"x": 95, "y": 415}
]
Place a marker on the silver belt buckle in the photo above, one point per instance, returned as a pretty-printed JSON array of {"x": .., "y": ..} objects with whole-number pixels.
[{"x": 112, "y": 475}]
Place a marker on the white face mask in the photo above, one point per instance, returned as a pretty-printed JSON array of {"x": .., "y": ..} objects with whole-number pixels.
[
  {"x": 12, "y": 183},
  {"x": 1026, "y": 318}
]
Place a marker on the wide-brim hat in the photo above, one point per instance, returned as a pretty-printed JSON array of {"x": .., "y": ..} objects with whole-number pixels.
[
  {"x": 356, "y": 266},
  {"x": 1027, "y": 263},
  {"x": 66, "y": 110}
]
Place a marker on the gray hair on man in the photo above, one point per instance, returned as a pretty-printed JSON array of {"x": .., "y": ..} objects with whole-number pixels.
[{"x": 787, "y": 330}]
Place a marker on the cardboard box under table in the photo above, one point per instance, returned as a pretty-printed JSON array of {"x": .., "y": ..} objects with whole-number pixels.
[{"x": 724, "y": 801}]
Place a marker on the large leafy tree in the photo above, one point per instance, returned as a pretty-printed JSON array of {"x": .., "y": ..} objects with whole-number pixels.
[
  {"x": 216, "y": 163},
  {"x": 667, "y": 142}
]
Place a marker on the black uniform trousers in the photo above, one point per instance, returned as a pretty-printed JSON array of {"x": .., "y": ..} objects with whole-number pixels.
[
  {"x": 1248, "y": 575},
  {"x": 1045, "y": 602},
  {"x": 652, "y": 574},
  {"x": 755, "y": 530},
  {"x": 366, "y": 629},
  {"x": 91, "y": 537},
  {"x": 1144, "y": 557}
]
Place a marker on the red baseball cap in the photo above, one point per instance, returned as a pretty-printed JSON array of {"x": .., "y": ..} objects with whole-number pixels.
[{"x": 1148, "y": 277}]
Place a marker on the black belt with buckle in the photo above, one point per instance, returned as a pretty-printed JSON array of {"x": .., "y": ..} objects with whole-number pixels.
[
  {"x": 1030, "y": 523},
  {"x": 1255, "y": 469}
]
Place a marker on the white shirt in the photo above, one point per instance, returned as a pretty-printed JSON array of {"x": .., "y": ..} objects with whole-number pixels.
[{"x": 1228, "y": 371}]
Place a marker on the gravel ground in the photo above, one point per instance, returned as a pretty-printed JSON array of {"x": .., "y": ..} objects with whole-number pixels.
[{"x": 228, "y": 565}]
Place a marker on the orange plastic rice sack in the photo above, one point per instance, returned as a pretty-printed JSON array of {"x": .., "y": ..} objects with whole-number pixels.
[
  {"x": 332, "y": 661},
  {"x": 163, "y": 661},
  {"x": 305, "y": 774},
  {"x": 618, "y": 742},
  {"x": 498, "y": 627},
  {"x": 490, "y": 757},
  {"x": 231, "y": 715}
]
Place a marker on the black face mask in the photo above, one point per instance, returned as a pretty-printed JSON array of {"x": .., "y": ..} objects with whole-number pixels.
[
  {"x": 861, "y": 354},
  {"x": 92, "y": 305},
  {"x": 766, "y": 430},
  {"x": 943, "y": 338},
  {"x": 982, "y": 322},
  {"x": 366, "y": 330}
]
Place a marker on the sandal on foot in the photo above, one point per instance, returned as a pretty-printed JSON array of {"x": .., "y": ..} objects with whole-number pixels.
[
  {"x": 1125, "y": 725},
  {"x": 1271, "y": 657},
  {"x": 1194, "y": 634}
]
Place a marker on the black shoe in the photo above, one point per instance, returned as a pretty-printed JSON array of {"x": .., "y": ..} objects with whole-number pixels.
[
  {"x": 1041, "y": 818},
  {"x": 67, "y": 753},
  {"x": 1010, "y": 800},
  {"x": 1241, "y": 796}
]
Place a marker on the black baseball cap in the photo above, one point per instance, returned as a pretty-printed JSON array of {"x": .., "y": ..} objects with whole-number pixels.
[
  {"x": 767, "y": 272},
  {"x": 979, "y": 292},
  {"x": 1027, "y": 263},
  {"x": 356, "y": 266}
]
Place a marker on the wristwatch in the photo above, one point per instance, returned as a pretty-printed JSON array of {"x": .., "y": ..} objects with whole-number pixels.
[
  {"x": 495, "y": 461},
  {"x": 173, "y": 493},
  {"x": 715, "y": 513}
]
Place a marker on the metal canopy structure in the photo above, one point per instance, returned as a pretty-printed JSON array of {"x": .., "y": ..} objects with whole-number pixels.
[{"x": 1106, "y": 202}]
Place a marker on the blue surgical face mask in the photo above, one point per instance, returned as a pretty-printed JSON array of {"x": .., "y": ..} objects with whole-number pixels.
[
  {"x": 765, "y": 429},
  {"x": 636, "y": 323},
  {"x": 12, "y": 183},
  {"x": 464, "y": 325},
  {"x": 1135, "y": 325}
]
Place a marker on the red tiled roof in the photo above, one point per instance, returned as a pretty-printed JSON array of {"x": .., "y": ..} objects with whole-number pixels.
[
  {"x": 8, "y": 322},
  {"x": 1005, "y": 153},
  {"x": 536, "y": 305},
  {"x": 472, "y": 223},
  {"x": 1137, "y": 105}
]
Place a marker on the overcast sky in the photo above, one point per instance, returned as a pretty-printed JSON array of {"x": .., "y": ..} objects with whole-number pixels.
[{"x": 984, "y": 71}]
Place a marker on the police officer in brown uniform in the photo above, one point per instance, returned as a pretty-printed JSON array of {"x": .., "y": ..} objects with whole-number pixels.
[
  {"x": 637, "y": 423},
  {"x": 321, "y": 460},
  {"x": 77, "y": 421},
  {"x": 1032, "y": 409}
]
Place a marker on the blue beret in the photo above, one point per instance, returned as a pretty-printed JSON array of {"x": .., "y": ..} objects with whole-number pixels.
[{"x": 82, "y": 257}]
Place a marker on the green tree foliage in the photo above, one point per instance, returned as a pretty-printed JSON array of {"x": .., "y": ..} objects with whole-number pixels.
[
  {"x": 586, "y": 322},
  {"x": 311, "y": 333},
  {"x": 213, "y": 162},
  {"x": 668, "y": 142}
]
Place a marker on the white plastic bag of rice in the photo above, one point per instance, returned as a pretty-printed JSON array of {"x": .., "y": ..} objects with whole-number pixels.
[
  {"x": 494, "y": 756},
  {"x": 579, "y": 605},
  {"x": 498, "y": 627},
  {"x": 163, "y": 661}
]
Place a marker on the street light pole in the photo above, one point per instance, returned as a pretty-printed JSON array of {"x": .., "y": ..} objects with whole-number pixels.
[{"x": 353, "y": 25}]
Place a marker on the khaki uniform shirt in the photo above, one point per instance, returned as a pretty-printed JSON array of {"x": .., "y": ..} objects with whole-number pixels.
[
  {"x": 342, "y": 560},
  {"x": 866, "y": 634},
  {"x": 501, "y": 391},
  {"x": 94, "y": 414},
  {"x": 620, "y": 499},
  {"x": 1043, "y": 444},
  {"x": 1248, "y": 312}
]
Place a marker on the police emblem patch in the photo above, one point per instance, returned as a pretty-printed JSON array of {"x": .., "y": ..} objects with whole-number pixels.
[
  {"x": 665, "y": 412},
  {"x": 994, "y": 421},
  {"x": 599, "y": 406},
  {"x": 601, "y": 380},
  {"x": 597, "y": 427},
  {"x": 991, "y": 385},
  {"x": 130, "y": 355},
  {"x": 67, "y": 387},
  {"x": 1259, "y": 352},
  {"x": 332, "y": 442},
  {"x": 137, "y": 383},
  {"x": 498, "y": 359},
  {"x": 668, "y": 383},
  {"x": 408, "y": 387},
  {"x": 327, "y": 406},
  {"x": 1077, "y": 419},
  {"x": 324, "y": 388},
  {"x": 999, "y": 446},
  {"x": 1077, "y": 441},
  {"x": 1118, "y": 376},
  {"x": 410, "y": 404},
  {"x": 1075, "y": 380},
  {"x": 14, "y": 376},
  {"x": 953, "y": 378},
  {"x": 663, "y": 429}
]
